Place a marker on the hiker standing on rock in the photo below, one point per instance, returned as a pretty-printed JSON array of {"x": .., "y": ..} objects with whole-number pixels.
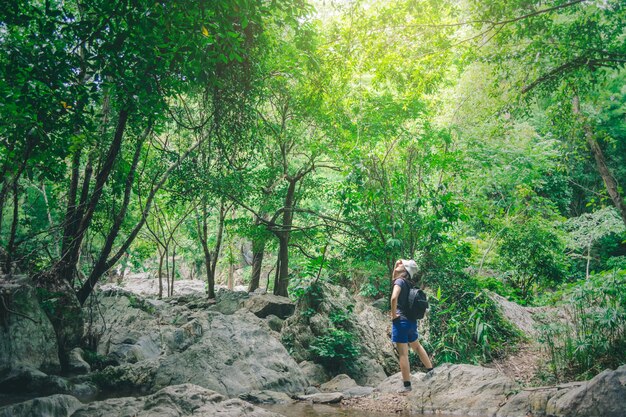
[{"x": 404, "y": 329}]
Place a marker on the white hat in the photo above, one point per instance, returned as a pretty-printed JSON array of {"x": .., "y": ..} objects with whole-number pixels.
[{"x": 411, "y": 267}]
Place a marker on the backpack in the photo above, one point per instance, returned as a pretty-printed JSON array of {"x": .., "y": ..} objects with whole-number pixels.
[{"x": 417, "y": 303}]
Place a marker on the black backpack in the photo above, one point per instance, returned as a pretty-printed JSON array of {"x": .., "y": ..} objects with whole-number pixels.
[{"x": 417, "y": 303}]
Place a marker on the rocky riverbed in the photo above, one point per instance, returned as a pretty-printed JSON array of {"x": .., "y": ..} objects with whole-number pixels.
[{"x": 190, "y": 356}]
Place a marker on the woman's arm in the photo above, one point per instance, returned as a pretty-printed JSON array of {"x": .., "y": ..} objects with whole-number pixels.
[{"x": 394, "y": 301}]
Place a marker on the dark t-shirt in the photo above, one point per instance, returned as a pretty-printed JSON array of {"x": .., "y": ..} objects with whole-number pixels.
[{"x": 403, "y": 298}]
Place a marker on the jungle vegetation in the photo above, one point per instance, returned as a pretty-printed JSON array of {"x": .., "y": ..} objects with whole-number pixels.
[{"x": 485, "y": 139}]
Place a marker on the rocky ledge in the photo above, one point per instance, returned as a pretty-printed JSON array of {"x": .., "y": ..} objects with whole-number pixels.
[
  {"x": 477, "y": 391},
  {"x": 174, "y": 401}
]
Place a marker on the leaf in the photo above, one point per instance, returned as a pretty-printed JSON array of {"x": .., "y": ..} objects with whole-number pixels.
[{"x": 205, "y": 31}]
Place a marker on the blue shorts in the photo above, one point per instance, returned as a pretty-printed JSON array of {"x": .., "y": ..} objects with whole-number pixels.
[{"x": 403, "y": 331}]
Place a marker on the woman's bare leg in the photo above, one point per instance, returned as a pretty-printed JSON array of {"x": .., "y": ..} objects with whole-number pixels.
[
  {"x": 421, "y": 352},
  {"x": 403, "y": 352}
]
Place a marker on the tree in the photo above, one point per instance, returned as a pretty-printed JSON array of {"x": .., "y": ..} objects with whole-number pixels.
[
  {"x": 78, "y": 73},
  {"x": 565, "y": 52}
]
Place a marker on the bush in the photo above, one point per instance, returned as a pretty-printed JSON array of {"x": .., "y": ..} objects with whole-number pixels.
[
  {"x": 594, "y": 337},
  {"x": 532, "y": 256},
  {"x": 466, "y": 325},
  {"x": 336, "y": 350}
]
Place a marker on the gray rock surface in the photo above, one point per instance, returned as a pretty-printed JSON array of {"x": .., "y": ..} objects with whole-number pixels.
[
  {"x": 77, "y": 365},
  {"x": 356, "y": 392},
  {"x": 456, "y": 389},
  {"x": 323, "y": 398},
  {"x": 275, "y": 323},
  {"x": 473, "y": 390},
  {"x": 264, "y": 305},
  {"x": 369, "y": 325},
  {"x": 173, "y": 344},
  {"x": 228, "y": 302},
  {"x": 339, "y": 383},
  {"x": 315, "y": 373},
  {"x": 174, "y": 401},
  {"x": 52, "y": 406},
  {"x": 24, "y": 379},
  {"x": 604, "y": 395},
  {"x": 26, "y": 335},
  {"x": 267, "y": 397}
]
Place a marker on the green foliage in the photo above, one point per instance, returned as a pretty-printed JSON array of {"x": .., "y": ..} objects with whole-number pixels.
[
  {"x": 95, "y": 360},
  {"x": 532, "y": 255},
  {"x": 336, "y": 350},
  {"x": 466, "y": 326},
  {"x": 593, "y": 336},
  {"x": 140, "y": 303}
]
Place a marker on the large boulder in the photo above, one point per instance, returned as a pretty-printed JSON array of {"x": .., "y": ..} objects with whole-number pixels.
[
  {"x": 473, "y": 390},
  {"x": 315, "y": 373},
  {"x": 169, "y": 344},
  {"x": 339, "y": 383},
  {"x": 26, "y": 380},
  {"x": 52, "y": 406},
  {"x": 26, "y": 335},
  {"x": 604, "y": 395},
  {"x": 460, "y": 389},
  {"x": 369, "y": 326},
  {"x": 266, "y": 304},
  {"x": 174, "y": 401}
]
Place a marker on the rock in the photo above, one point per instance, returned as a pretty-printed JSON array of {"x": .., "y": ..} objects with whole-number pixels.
[
  {"x": 368, "y": 371},
  {"x": 264, "y": 305},
  {"x": 77, "y": 364},
  {"x": 369, "y": 326},
  {"x": 311, "y": 390},
  {"x": 460, "y": 389},
  {"x": 266, "y": 397},
  {"x": 381, "y": 304},
  {"x": 52, "y": 406},
  {"x": 228, "y": 302},
  {"x": 230, "y": 354},
  {"x": 604, "y": 395},
  {"x": 393, "y": 384},
  {"x": 519, "y": 316},
  {"x": 339, "y": 383},
  {"x": 174, "y": 401},
  {"x": 26, "y": 338},
  {"x": 357, "y": 392},
  {"x": 22, "y": 378},
  {"x": 315, "y": 373},
  {"x": 275, "y": 323},
  {"x": 323, "y": 398}
]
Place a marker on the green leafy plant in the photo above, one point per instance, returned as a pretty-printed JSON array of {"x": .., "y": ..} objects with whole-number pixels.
[
  {"x": 335, "y": 350},
  {"x": 594, "y": 335},
  {"x": 467, "y": 325}
]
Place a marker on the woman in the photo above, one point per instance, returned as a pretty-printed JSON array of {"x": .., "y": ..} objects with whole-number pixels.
[{"x": 403, "y": 330}]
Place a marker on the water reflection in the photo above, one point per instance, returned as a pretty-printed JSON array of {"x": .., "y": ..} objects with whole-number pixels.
[{"x": 320, "y": 410}]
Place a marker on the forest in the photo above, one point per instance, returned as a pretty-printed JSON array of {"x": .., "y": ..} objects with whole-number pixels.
[{"x": 287, "y": 144}]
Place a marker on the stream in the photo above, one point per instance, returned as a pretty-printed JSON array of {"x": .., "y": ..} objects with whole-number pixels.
[{"x": 320, "y": 410}]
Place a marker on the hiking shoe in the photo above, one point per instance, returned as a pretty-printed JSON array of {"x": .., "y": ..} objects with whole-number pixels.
[{"x": 404, "y": 390}]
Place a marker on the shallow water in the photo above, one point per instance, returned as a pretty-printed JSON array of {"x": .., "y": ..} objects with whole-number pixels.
[{"x": 320, "y": 410}]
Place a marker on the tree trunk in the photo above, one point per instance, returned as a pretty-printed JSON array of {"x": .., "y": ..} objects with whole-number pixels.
[
  {"x": 210, "y": 257},
  {"x": 61, "y": 305},
  {"x": 173, "y": 270},
  {"x": 160, "y": 274},
  {"x": 101, "y": 266},
  {"x": 258, "y": 252},
  {"x": 280, "y": 286},
  {"x": 10, "y": 246},
  {"x": 612, "y": 187}
]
